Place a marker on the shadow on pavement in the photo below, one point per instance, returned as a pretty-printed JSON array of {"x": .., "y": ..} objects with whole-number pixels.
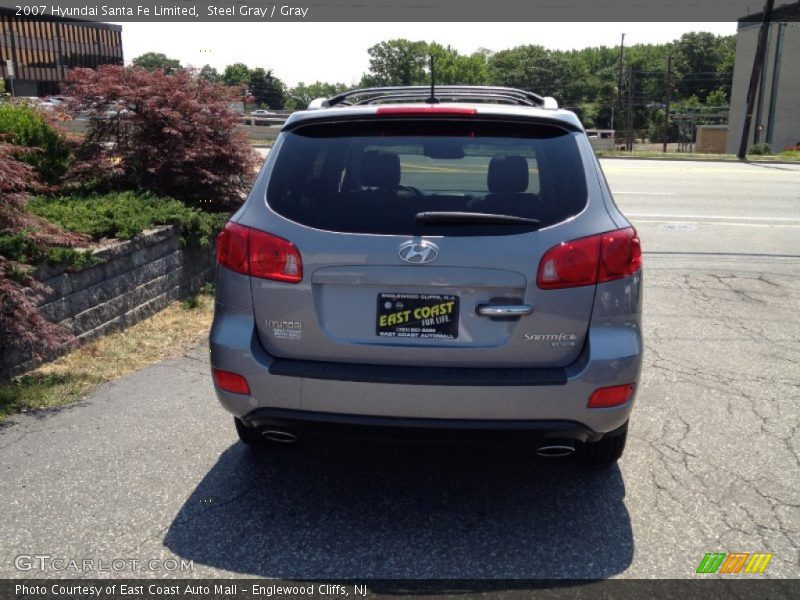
[{"x": 364, "y": 510}]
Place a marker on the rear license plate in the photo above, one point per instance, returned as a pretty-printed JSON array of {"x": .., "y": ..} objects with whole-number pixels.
[{"x": 417, "y": 316}]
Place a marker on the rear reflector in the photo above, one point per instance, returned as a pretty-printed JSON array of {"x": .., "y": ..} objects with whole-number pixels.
[
  {"x": 590, "y": 260},
  {"x": 607, "y": 397},
  {"x": 231, "y": 382},
  {"x": 258, "y": 254},
  {"x": 426, "y": 109}
]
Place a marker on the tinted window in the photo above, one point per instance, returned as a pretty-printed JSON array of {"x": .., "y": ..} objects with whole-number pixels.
[{"x": 374, "y": 177}]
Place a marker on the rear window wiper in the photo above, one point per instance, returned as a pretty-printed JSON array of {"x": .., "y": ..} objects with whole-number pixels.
[{"x": 471, "y": 218}]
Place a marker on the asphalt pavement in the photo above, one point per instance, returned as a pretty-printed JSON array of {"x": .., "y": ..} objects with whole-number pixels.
[{"x": 149, "y": 466}]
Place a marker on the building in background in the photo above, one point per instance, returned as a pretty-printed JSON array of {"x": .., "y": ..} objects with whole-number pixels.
[
  {"x": 38, "y": 51},
  {"x": 776, "y": 117}
]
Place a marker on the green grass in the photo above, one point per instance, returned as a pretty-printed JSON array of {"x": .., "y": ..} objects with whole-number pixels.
[
  {"x": 124, "y": 215},
  {"x": 43, "y": 390}
]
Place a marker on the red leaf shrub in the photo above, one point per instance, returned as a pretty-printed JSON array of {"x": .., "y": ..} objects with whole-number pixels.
[
  {"x": 172, "y": 135},
  {"x": 16, "y": 179},
  {"x": 22, "y": 326}
]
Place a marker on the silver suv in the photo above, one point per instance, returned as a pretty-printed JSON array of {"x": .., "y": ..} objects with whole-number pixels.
[{"x": 447, "y": 262}]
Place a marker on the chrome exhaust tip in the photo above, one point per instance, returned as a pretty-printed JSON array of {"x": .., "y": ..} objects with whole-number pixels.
[
  {"x": 282, "y": 436},
  {"x": 556, "y": 449}
]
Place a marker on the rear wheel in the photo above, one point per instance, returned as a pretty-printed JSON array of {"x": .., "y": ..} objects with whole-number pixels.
[{"x": 606, "y": 452}]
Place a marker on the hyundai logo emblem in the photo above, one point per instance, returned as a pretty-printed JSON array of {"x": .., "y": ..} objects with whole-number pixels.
[{"x": 418, "y": 253}]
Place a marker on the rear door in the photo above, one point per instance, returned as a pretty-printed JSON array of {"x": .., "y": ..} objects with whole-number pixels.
[{"x": 383, "y": 284}]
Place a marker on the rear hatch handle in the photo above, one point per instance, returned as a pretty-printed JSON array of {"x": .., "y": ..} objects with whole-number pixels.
[{"x": 504, "y": 310}]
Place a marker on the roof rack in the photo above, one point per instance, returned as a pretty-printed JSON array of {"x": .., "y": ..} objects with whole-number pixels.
[{"x": 443, "y": 92}]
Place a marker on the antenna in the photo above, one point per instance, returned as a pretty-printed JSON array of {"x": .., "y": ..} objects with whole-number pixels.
[{"x": 433, "y": 99}]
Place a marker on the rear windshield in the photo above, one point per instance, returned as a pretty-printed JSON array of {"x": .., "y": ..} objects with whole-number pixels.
[{"x": 377, "y": 176}]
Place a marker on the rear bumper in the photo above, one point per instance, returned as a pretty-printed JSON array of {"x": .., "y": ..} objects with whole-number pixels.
[
  {"x": 429, "y": 430},
  {"x": 541, "y": 400}
]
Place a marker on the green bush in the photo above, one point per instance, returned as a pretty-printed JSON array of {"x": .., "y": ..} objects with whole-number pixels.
[
  {"x": 126, "y": 214},
  {"x": 23, "y": 125},
  {"x": 760, "y": 149},
  {"x": 20, "y": 247}
]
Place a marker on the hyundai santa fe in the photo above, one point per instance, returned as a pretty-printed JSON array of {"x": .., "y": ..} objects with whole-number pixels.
[{"x": 448, "y": 263}]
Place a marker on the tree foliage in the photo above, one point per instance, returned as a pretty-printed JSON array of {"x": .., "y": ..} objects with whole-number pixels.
[
  {"x": 403, "y": 62},
  {"x": 583, "y": 80},
  {"x": 156, "y": 60},
  {"x": 299, "y": 97},
  {"x": 172, "y": 135},
  {"x": 397, "y": 62},
  {"x": 266, "y": 89},
  {"x": 38, "y": 142},
  {"x": 209, "y": 73},
  {"x": 237, "y": 74}
]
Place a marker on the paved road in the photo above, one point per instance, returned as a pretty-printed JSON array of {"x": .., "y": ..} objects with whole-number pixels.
[{"x": 149, "y": 466}]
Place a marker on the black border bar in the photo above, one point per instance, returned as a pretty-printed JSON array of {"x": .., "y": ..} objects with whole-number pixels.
[{"x": 443, "y": 11}]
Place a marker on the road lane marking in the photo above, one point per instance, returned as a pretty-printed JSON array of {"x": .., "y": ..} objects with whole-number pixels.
[
  {"x": 648, "y": 193},
  {"x": 700, "y": 170},
  {"x": 712, "y": 217},
  {"x": 722, "y": 224}
]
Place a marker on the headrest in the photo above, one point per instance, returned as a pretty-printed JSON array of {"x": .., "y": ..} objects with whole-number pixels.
[
  {"x": 380, "y": 169},
  {"x": 508, "y": 175}
]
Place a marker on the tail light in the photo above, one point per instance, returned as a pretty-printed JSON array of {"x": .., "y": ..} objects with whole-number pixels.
[
  {"x": 258, "y": 254},
  {"x": 590, "y": 260},
  {"x": 230, "y": 382},
  {"x": 607, "y": 397}
]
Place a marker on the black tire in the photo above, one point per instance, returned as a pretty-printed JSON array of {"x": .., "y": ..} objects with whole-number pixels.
[
  {"x": 248, "y": 435},
  {"x": 604, "y": 453}
]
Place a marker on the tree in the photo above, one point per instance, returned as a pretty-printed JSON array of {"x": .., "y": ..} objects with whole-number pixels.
[
  {"x": 209, "y": 73},
  {"x": 717, "y": 98},
  {"x": 403, "y": 62},
  {"x": 236, "y": 74},
  {"x": 453, "y": 68},
  {"x": 398, "y": 62},
  {"x": 156, "y": 60},
  {"x": 172, "y": 135},
  {"x": 704, "y": 63},
  {"x": 267, "y": 89},
  {"x": 528, "y": 67},
  {"x": 299, "y": 97}
]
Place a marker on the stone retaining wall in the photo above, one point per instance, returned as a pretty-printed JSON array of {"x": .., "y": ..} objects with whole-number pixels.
[{"x": 137, "y": 278}]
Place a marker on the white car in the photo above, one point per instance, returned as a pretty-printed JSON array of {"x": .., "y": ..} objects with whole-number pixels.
[{"x": 262, "y": 113}]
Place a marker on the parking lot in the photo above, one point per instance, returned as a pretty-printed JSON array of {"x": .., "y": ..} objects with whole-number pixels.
[{"x": 149, "y": 467}]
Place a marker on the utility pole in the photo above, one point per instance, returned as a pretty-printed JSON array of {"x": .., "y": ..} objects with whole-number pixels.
[
  {"x": 758, "y": 64},
  {"x": 666, "y": 100},
  {"x": 619, "y": 84},
  {"x": 631, "y": 85}
]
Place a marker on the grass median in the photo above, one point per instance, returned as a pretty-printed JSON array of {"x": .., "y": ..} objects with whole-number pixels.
[{"x": 167, "y": 334}]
